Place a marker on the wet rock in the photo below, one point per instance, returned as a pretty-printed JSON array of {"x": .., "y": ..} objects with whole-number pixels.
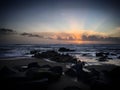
[
  {"x": 95, "y": 73},
  {"x": 99, "y": 85},
  {"x": 57, "y": 69},
  {"x": 62, "y": 49},
  {"x": 46, "y": 54},
  {"x": 114, "y": 54},
  {"x": 46, "y": 66},
  {"x": 84, "y": 54},
  {"x": 71, "y": 72},
  {"x": 34, "y": 51},
  {"x": 102, "y": 59},
  {"x": 21, "y": 68},
  {"x": 38, "y": 74},
  {"x": 55, "y": 56},
  {"x": 118, "y": 57},
  {"x": 101, "y": 54},
  {"x": 115, "y": 73},
  {"x": 33, "y": 64},
  {"x": 6, "y": 72},
  {"x": 79, "y": 66},
  {"x": 72, "y": 88}
]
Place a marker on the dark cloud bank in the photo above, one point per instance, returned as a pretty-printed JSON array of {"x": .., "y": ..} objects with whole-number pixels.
[
  {"x": 7, "y": 31},
  {"x": 31, "y": 35},
  {"x": 67, "y": 36}
]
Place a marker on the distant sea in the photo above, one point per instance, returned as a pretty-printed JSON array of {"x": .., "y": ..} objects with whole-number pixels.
[{"x": 83, "y": 52}]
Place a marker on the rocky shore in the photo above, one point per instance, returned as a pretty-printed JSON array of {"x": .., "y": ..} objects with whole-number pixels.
[
  {"x": 51, "y": 70},
  {"x": 38, "y": 74}
]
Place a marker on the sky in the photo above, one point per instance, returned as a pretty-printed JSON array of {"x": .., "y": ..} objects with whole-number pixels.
[{"x": 60, "y": 21}]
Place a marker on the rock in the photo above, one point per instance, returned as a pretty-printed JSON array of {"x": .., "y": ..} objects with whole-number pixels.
[
  {"x": 118, "y": 57},
  {"x": 57, "y": 69},
  {"x": 102, "y": 59},
  {"x": 47, "y": 54},
  {"x": 38, "y": 74},
  {"x": 78, "y": 67},
  {"x": 72, "y": 88},
  {"x": 55, "y": 56},
  {"x": 21, "y": 68},
  {"x": 34, "y": 73},
  {"x": 6, "y": 72},
  {"x": 46, "y": 66},
  {"x": 95, "y": 73},
  {"x": 99, "y": 85},
  {"x": 101, "y": 54},
  {"x": 71, "y": 72},
  {"x": 84, "y": 54},
  {"x": 33, "y": 64},
  {"x": 115, "y": 73},
  {"x": 62, "y": 49},
  {"x": 34, "y": 51}
]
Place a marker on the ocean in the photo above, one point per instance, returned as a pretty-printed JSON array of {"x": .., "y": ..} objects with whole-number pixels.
[{"x": 83, "y": 52}]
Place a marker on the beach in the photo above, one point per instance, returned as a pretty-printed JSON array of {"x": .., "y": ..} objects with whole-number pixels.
[
  {"x": 59, "y": 67},
  {"x": 64, "y": 81}
]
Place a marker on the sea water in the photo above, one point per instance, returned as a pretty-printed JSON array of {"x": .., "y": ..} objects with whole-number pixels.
[{"x": 83, "y": 52}]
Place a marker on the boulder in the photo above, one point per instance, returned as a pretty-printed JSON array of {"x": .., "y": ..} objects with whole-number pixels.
[
  {"x": 38, "y": 74},
  {"x": 34, "y": 51},
  {"x": 72, "y": 88},
  {"x": 115, "y": 73},
  {"x": 100, "y": 54},
  {"x": 102, "y": 59},
  {"x": 6, "y": 72},
  {"x": 62, "y": 49},
  {"x": 99, "y": 85},
  {"x": 57, "y": 69},
  {"x": 46, "y": 66},
  {"x": 118, "y": 57},
  {"x": 71, "y": 72},
  {"x": 33, "y": 64}
]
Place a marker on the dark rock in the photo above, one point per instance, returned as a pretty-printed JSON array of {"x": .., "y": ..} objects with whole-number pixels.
[
  {"x": 113, "y": 54},
  {"x": 46, "y": 66},
  {"x": 99, "y": 85},
  {"x": 21, "y": 68},
  {"x": 33, "y": 64},
  {"x": 62, "y": 49},
  {"x": 84, "y": 54},
  {"x": 72, "y": 88},
  {"x": 103, "y": 58},
  {"x": 55, "y": 56},
  {"x": 46, "y": 54},
  {"x": 118, "y": 57},
  {"x": 115, "y": 73},
  {"x": 109, "y": 58},
  {"x": 34, "y": 51},
  {"x": 38, "y": 74},
  {"x": 79, "y": 66},
  {"x": 101, "y": 54},
  {"x": 71, "y": 72},
  {"x": 95, "y": 73},
  {"x": 6, "y": 72},
  {"x": 57, "y": 69}
]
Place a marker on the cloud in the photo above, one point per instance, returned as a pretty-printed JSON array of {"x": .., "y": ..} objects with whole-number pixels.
[
  {"x": 83, "y": 36},
  {"x": 5, "y": 31},
  {"x": 101, "y": 38},
  {"x": 31, "y": 35},
  {"x": 92, "y": 37},
  {"x": 115, "y": 32}
]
